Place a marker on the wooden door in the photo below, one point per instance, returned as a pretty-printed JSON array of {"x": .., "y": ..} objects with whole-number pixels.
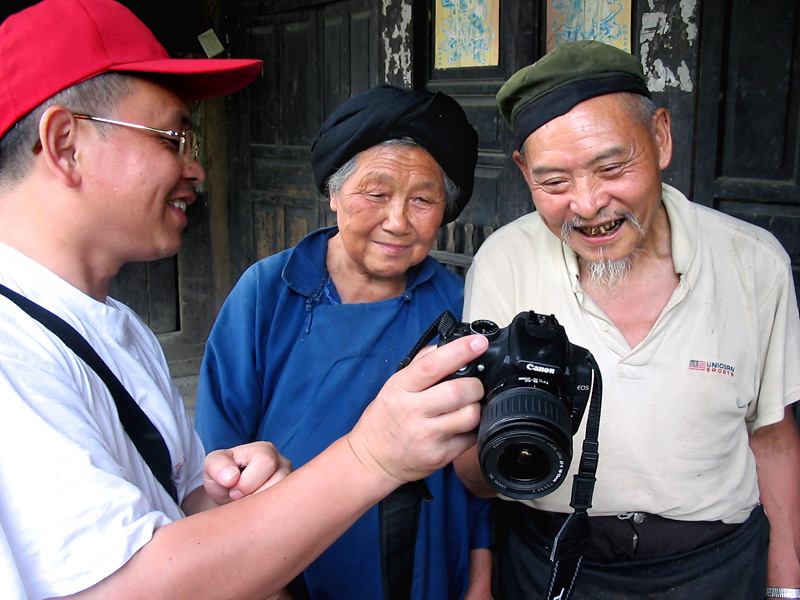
[
  {"x": 748, "y": 145},
  {"x": 315, "y": 57},
  {"x": 500, "y": 194}
]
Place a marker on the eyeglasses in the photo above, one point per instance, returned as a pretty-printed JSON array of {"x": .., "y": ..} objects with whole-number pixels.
[{"x": 188, "y": 148}]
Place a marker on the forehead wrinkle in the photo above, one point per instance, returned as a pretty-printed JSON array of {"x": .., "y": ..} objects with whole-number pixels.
[
  {"x": 368, "y": 177},
  {"x": 406, "y": 174}
]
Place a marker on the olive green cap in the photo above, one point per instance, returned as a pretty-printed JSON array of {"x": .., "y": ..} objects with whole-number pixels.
[{"x": 564, "y": 77}]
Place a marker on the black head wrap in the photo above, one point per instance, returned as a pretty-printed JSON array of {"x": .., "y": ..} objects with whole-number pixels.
[{"x": 435, "y": 121}]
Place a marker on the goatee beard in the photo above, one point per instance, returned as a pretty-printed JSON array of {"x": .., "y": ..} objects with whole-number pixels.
[
  {"x": 605, "y": 274},
  {"x": 609, "y": 276}
]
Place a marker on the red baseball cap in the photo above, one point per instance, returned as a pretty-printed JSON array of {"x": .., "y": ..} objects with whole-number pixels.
[{"x": 55, "y": 44}]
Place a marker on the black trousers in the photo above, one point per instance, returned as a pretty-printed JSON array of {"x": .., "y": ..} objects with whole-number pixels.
[{"x": 657, "y": 559}]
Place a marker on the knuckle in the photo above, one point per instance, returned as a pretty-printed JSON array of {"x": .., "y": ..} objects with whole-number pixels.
[{"x": 429, "y": 366}]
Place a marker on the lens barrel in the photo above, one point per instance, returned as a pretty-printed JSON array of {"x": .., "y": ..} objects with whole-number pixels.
[{"x": 525, "y": 442}]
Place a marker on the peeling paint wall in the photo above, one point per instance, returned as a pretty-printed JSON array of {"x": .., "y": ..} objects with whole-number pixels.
[
  {"x": 397, "y": 41},
  {"x": 667, "y": 43},
  {"x": 669, "y": 46},
  {"x": 667, "y": 24}
]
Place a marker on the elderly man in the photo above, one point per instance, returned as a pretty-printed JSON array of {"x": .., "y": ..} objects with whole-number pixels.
[
  {"x": 99, "y": 464},
  {"x": 693, "y": 320}
]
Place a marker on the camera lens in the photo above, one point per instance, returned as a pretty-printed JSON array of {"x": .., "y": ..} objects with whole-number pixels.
[
  {"x": 523, "y": 462},
  {"x": 525, "y": 441}
]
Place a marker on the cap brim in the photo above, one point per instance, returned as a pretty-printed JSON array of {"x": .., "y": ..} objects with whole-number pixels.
[{"x": 200, "y": 78}]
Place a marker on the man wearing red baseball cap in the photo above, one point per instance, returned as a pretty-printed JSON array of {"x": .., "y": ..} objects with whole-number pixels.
[{"x": 99, "y": 465}]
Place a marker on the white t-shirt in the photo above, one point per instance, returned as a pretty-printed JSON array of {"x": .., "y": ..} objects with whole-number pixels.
[
  {"x": 76, "y": 498},
  {"x": 722, "y": 359},
  {"x": 10, "y": 582}
]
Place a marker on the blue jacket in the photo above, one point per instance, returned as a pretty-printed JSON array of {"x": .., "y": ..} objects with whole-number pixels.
[{"x": 288, "y": 363}]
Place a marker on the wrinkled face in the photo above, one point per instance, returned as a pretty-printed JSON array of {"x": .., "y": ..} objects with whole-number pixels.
[
  {"x": 389, "y": 210},
  {"x": 595, "y": 176},
  {"x": 141, "y": 186}
]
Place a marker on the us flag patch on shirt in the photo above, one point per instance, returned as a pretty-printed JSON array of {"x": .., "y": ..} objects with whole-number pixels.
[{"x": 711, "y": 367}]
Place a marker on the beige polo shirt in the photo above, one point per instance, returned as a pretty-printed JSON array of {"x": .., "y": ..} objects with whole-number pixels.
[{"x": 722, "y": 360}]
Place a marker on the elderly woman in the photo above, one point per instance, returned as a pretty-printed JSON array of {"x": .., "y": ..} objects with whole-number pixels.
[{"x": 308, "y": 336}]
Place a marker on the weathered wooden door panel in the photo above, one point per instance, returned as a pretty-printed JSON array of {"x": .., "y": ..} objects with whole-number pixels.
[
  {"x": 314, "y": 58},
  {"x": 272, "y": 149},
  {"x": 500, "y": 194},
  {"x": 151, "y": 289},
  {"x": 748, "y": 155}
]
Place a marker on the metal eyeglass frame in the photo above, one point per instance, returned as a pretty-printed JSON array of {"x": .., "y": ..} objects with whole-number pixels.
[{"x": 188, "y": 139}]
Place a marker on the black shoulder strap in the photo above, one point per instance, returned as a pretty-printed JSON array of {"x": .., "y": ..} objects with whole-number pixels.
[
  {"x": 399, "y": 513},
  {"x": 398, "y": 523},
  {"x": 572, "y": 541},
  {"x": 137, "y": 425}
]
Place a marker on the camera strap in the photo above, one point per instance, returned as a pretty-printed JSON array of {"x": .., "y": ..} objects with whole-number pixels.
[
  {"x": 443, "y": 325},
  {"x": 398, "y": 518},
  {"x": 572, "y": 541},
  {"x": 137, "y": 424},
  {"x": 399, "y": 512}
]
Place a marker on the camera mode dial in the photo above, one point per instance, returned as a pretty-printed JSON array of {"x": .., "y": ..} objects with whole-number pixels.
[{"x": 485, "y": 327}]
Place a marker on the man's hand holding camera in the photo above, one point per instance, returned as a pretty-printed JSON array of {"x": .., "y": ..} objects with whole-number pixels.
[{"x": 419, "y": 423}]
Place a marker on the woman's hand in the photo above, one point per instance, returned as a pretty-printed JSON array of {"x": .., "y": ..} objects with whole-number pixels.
[{"x": 238, "y": 472}]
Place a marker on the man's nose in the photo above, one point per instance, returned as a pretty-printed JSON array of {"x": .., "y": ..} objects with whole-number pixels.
[
  {"x": 588, "y": 198},
  {"x": 195, "y": 172}
]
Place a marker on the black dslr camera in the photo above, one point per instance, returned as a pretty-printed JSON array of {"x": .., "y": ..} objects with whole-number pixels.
[{"x": 537, "y": 385}]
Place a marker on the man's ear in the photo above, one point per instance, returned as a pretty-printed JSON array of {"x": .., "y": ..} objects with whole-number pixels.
[
  {"x": 662, "y": 132},
  {"x": 58, "y": 136},
  {"x": 519, "y": 158},
  {"x": 334, "y": 201}
]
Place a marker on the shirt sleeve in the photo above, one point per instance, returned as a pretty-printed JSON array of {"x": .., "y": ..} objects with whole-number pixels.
[
  {"x": 231, "y": 399},
  {"x": 481, "y": 509},
  {"x": 68, "y": 508},
  {"x": 780, "y": 381},
  {"x": 11, "y": 586}
]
